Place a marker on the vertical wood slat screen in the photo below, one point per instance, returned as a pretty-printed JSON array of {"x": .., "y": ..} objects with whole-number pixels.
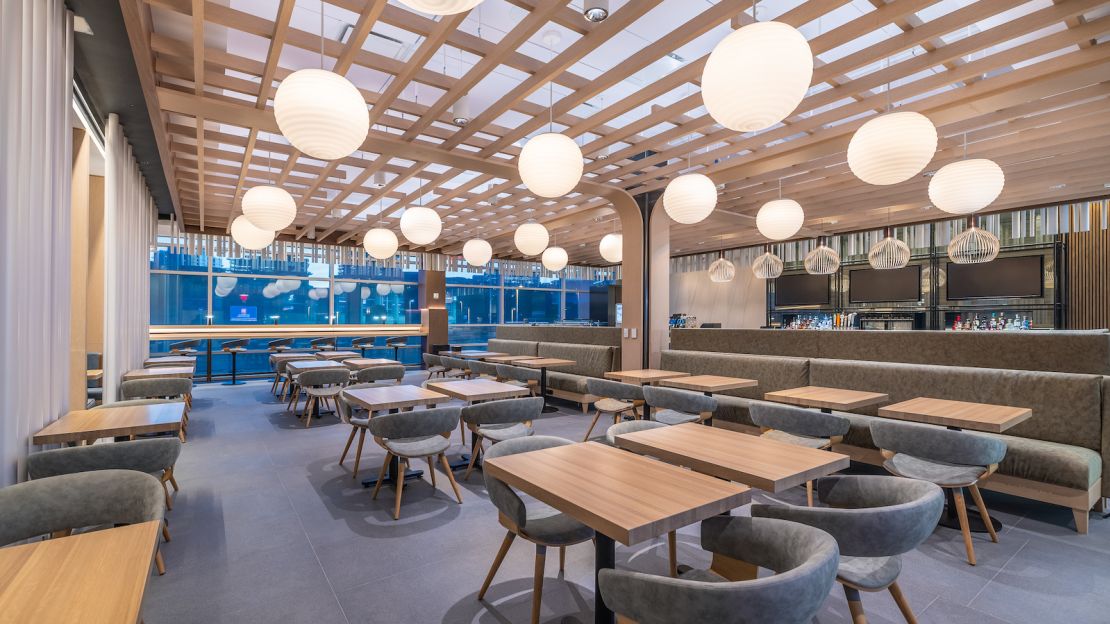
[
  {"x": 1088, "y": 279},
  {"x": 36, "y": 45}
]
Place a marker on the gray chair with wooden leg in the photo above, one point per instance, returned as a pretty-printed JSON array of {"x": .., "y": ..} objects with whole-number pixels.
[
  {"x": 875, "y": 520},
  {"x": 800, "y": 427},
  {"x": 629, "y": 426},
  {"x": 353, "y": 415},
  {"x": 434, "y": 365},
  {"x": 171, "y": 388},
  {"x": 320, "y": 386},
  {"x": 519, "y": 376},
  {"x": 414, "y": 435},
  {"x": 617, "y": 400},
  {"x": 672, "y": 406},
  {"x": 56, "y": 506},
  {"x": 479, "y": 368},
  {"x": 542, "y": 525},
  {"x": 456, "y": 367},
  {"x": 393, "y": 372},
  {"x": 803, "y": 558},
  {"x": 498, "y": 421},
  {"x": 954, "y": 460},
  {"x": 154, "y": 456}
]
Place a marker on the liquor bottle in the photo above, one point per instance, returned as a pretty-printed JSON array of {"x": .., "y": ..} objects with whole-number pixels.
[{"x": 956, "y": 326}]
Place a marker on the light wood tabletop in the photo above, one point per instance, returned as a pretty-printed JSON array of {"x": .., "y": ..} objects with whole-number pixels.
[
  {"x": 509, "y": 359},
  {"x": 361, "y": 363},
  {"x": 88, "y": 578},
  {"x": 477, "y": 389},
  {"x": 827, "y": 398},
  {"x": 644, "y": 376},
  {"x": 291, "y": 357},
  {"x": 394, "y": 397},
  {"x": 759, "y": 462},
  {"x": 958, "y": 414},
  {"x": 625, "y": 496},
  {"x": 297, "y": 367},
  {"x": 709, "y": 383},
  {"x": 171, "y": 360},
  {"x": 545, "y": 362},
  {"x": 162, "y": 372},
  {"x": 472, "y": 354},
  {"x": 106, "y": 422},
  {"x": 94, "y": 374},
  {"x": 337, "y": 356}
]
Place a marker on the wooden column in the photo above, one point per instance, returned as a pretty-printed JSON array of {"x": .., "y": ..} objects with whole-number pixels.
[
  {"x": 78, "y": 267},
  {"x": 433, "y": 306},
  {"x": 1088, "y": 275},
  {"x": 659, "y": 282}
]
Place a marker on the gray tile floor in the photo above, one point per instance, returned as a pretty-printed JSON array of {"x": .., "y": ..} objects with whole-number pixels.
[{"x": 269, "y": 528}]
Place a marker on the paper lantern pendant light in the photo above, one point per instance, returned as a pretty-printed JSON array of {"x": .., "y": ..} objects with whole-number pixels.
[
  {"x": 441, "y": 7},
  {"x": 966, "y": 186},
  {"x": 612, "y": 247},
  {"x": 973, "y": 246},
  {"x": 690, "y": 198},
  {"x": 767, "y": 266},
  {"x": 779, "y": 219},
  {"x": 823, "y": 260},
  {"x": 531, "y": 239},
  {"x": 892, "y": 147},
  {"x": 380, "y": 243},
  {"x": 477, "y": 252},
  {"x": 420, "y": 225},
  {"x": 757, "y": 76},
  {"x": 248, "y": 236},
  {"x": 321, "y": 113},
  {"x": 382, "y": 289},
  {"x": 269, "y": 208},
  {"x": 721, "y": 271},
  {"x": 550, "y": 164},
  {"x": 554, "y": 258},
  {"x": 889, "y": 253}
]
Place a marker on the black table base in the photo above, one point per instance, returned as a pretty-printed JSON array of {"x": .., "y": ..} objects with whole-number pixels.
[
  {"x": 975, "y": 523},
  {"x": 547, "y": 409},
  {"x": 391, "y": 474},
  {"x": 234, "y": 372},
  {"x": 605, "y": 557}
]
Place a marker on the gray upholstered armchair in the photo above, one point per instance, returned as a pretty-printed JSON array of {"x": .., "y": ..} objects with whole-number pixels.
[
  {"x": 393, "y": 372},
  {"x": 456, "y": 367},
  {"x": 173, "y": 388},
  {"x": 954, "y": 460},
  {"x": 434, "y": 365},
  {"x": 629, "y": 426},
  {"x": 414, "y": 435},
  {"x": 479, "y": 368},
  {"x": 319, "y": 386},
  {"x": 674, "y": 406},
  {"x": 58, "y": 505},
  {"x": 519, "y": 376},
  {"x": 498, "y": 421},
  {"x": 875, "y": 519},
  {"x": 154, "y": 456},
  {"x": 800, "y": 427},
  {"x": 803, "y": 558},
  {"x": 542, "y": 525},
  {"x": 616, "y": 400}
]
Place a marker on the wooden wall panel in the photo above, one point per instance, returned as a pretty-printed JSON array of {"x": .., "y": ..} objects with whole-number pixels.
[{"x": 1088, "y": 276}]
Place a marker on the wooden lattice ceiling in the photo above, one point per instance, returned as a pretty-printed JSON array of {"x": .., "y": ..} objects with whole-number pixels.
[{"x": 1027, "y": 84}]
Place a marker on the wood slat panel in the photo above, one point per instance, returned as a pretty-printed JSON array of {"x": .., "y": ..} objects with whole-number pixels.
[{"x": 1088, "y": 273}]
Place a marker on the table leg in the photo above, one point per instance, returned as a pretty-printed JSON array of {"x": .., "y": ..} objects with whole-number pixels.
[
  {"x": 547, "y": 409},
  {"x": 605, "y": 556},
  {"x": 464, "y": 459},
  {"x": 391, "y": 474},
  {"x": 234, "y": 371}
]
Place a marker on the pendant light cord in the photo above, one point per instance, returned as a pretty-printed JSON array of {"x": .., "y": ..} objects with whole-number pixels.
[{"x": 321, "y": 35}]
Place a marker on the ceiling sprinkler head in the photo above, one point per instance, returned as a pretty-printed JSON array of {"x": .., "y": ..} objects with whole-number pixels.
[{"x": 595, "y": 10}]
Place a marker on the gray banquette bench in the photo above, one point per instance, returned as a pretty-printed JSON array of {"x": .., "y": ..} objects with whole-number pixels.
[
  {"x": 566, "y": 382},
  {"x": 1058, "y": 456}
]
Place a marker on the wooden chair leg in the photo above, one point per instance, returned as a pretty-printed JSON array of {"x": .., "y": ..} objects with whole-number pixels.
[
  {"x": 161, "y": 565},
  {"x": 402, "y": 468},
  {"x": 809, "y": 493},
  {"x": 450, "y": 476},
  {"x": 166, "y": 491},
  {"x": 358, "y": 451},
  {"x": 173, "y": 481},
  {"x": 347, "y": 446},
  {"x": 313, "y": 402},
  {"x": 165, "y": 531},
  {"x": 431, "y": 470},
  {"x": 672, "y": 552},
  {"x": 978, "y": 498},
  {"x": 562, "y": 559},
  {"x": 505, "y": 544},
  {"x": 381, "y": 477},
  {"x": 855, "y": 605},
  {"x": 462, "y": 433},
  {"x": 903, "y": 605},
  {"x": 475, "y": 448},
  {"x": 586, "y": 438},
  {"x": 537, "y": 583},
  {"x": 961, "y": 512}
]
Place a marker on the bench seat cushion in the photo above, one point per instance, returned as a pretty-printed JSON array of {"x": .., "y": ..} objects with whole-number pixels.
[
  {"x": 512, "y": 347},
  {"x": 568, "y": 382}
]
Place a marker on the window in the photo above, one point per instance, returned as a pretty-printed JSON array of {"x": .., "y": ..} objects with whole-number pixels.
[
  {"x": 359, "y": 303},
  {"x": 260, "y": 301},
  {"x": 472, "y": 306},
  {"x": 178, "y": 299},
  {"x": 532, "y": 306}
]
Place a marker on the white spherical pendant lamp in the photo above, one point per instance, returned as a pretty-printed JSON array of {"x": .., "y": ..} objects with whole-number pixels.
[
  {"x": 721, "y": 271},
  {"x": 396, "y": 288},
  {"x": 966, "y": 186},
  {"x": 889, "y": 253},
  {"x": 690, "y": 198},
  {"x": 779, "y": 219},
  {"x": 550, "y": 164},
  {"x": 346, "y": 287},
  {"x": 892, "y": 147},
  {"x": 269, "y": 207},
  {"x": 289, "y": 285},
  {"x": 270, "y": 291},
  {"x": 225, "y": 282},
  {"x": 441, "y": 7},
  {"x": 531, "y": 239},
  {"x": 420, "y": 225},
  {"x": 757, "y": 76},
  {"x": 554, "y": 258},
  {"x": 823, "y": 260},
  {"x": 767, "y": 266},
  {"x": 382, "y": 289},
  {"x": 364, "y": 293},
  {"x": 612, "y": 247},
  {"x": 380, "y": 243},
  {"x": 477, "y": 252},
  {"x": 974, "y": 246},
  {"x": 248, "y": 236},
  {"x": 321, "y": 113}
]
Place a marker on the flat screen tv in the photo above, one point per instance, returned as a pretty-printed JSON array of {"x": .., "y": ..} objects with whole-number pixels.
[
  {"x": 243, "y": 314},
  {"x": 801, "y": 289},
  {"x": 1003, "y": 278},
  {"x": 885, "y": 285}
]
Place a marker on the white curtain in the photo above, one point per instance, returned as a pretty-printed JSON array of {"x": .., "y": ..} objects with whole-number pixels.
[
  {"x": 128, "y": 223},
  {"x": 36, "y": 45}
]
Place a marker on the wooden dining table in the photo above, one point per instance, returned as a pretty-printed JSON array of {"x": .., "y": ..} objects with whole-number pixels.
[
  {"x": 87, "y": 426},
  {"x": 391, "y": 399},
  {"x": 544, "y": 363},
  {"x": 827, "y": 399},
  {"x": 958, "y": 414},
  {"x": 644, "y": 376},
  {"x": 357, "y": 363},
  {"x": 161, "y": 372},
  {"x": 709, "y": 384},
  {"x": 88, "y": 578},
  {"x": 510, "y": 359},
  {"x": 336, "y": 356},
  {"x": 624, "y": 497}
]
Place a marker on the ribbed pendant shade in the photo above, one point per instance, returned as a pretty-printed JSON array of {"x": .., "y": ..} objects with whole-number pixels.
[
  {"x": 722, "y": 271},
  {"x": 889, "y": 253},
  {"x": 767, "y": 266},
  {"x": 973, "y": 246},
  {"x": 822, "y": 261}
]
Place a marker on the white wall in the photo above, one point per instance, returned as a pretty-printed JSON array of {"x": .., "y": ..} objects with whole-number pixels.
[{"x": 739, "y": 304}]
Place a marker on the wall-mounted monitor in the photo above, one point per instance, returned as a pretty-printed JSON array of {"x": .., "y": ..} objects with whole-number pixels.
[
  {"x": 243, "y": 314},
  {"x": 1003, "y": 278},
  {"x": 801, "y": 289},
  {"x": 884, "y": 285}
]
